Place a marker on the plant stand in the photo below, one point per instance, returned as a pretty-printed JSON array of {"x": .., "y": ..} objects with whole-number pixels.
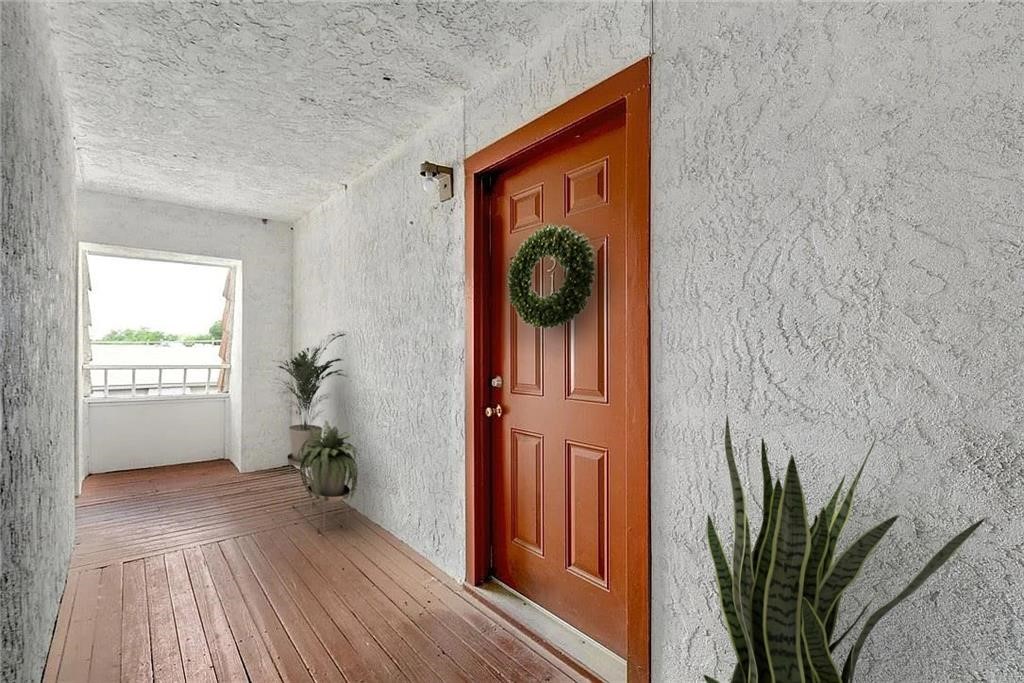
[
  {"x": 321, "y": 503},
  {"x": 317, "y": 502}
]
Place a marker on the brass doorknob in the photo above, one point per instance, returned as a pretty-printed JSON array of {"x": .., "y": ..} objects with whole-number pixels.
[{"x": 493, "y": 412}]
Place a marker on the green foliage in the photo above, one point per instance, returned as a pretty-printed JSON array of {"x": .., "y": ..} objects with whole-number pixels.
[
  {"x": 780, "y": 596},
  {"x": 331, "y": 451},
  {"x": 148, "y": 336},
  {"x": 306, "y": 373},
  {"x": 573, "y": 251},
  {"x": 140, "y": 334}
]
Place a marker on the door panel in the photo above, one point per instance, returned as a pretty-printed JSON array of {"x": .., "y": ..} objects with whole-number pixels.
[
  {"x": 527, "y": 493},
  {"x": 586, "y": 187},
  {"x": 559, "y": 456},
  {"x": 587, "y": 512},
  {"x": 526, "y": 350},
  {"x": 527, "y": 208},
  {"x": 586, "y": 359}
]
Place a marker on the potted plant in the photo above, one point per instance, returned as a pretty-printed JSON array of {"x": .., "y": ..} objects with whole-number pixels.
[
  {"x": 329, "y": 464},
  {"x": 780, "y": 595},
  {"x": 306, "y": 372}
]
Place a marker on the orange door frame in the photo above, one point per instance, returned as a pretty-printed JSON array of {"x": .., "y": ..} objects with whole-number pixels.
[{"x": 630, "y": 87}]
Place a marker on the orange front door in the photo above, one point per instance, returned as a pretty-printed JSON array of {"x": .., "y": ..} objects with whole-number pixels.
[{"x": 559, "y": 446}]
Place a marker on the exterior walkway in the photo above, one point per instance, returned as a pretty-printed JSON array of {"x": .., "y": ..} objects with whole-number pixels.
[{"x": 199, "y": 573}]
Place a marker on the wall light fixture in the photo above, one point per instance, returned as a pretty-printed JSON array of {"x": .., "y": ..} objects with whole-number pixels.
[{"x": 439, "y": 177}]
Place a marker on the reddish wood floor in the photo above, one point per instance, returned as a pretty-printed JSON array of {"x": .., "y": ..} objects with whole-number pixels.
[{"x": 199, "y": 573}]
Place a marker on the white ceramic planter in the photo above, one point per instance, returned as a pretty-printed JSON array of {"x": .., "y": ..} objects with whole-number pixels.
[{"x": 300, "y": 435}]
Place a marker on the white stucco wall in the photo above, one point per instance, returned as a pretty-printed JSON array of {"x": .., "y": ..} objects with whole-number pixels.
[
  {"x": 259, "y": 422},
  {"x": 318, "y": 88},
  {"x": 384, "y": 261},
  {"x": 130, "y": 434},
  {"x": 837, "y": 255},
  {"x": 37, "y": 342}
]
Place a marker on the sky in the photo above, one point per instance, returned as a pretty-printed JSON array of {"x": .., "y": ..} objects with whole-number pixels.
[{"x": 178, "y": 298}]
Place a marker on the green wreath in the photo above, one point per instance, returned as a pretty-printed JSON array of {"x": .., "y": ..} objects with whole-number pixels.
[{"x": 573, "y": 251}]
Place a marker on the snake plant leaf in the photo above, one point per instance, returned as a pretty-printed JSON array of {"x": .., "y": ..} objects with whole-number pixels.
[
  {"x": 819, "y": 544},
  {"x": 784, "y": 585},
  {"x": 835, "y": 530},
  {"x": 766, "y": 503},
  {"x": 766, "y": 474},
  {"x": 763, "y": 563},
  {"x": 815, "y": 553},
  {"x": 733, "y": 620},
  {"x": 838, "y": 523},
  {"x": 849, "y": 629},
  {"x": 833, "y": 618},
  {"x": 848, "y": 566},
  {"x": 742, "y": 564},
  {"x": 740, "y": 525},
  {"x": 822, "y": 668},
  {"x": 771, "y": 519},
  {"x": 843, "y": 513},
  {"x": 939, "y": 559}
]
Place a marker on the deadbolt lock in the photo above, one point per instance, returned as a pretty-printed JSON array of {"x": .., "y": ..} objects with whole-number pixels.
[
  {"x": 493, "y": 412},
  {"x": 496, "y": 382}
]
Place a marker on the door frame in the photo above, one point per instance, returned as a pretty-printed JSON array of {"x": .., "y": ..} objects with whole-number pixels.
[{"x": 629, "y": 88}]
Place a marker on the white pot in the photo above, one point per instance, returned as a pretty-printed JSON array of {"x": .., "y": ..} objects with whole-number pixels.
[{"x": 300, "y": 435}]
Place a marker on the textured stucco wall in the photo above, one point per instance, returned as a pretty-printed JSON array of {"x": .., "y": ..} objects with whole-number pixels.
[
  {"x": 838, "y": 253},
  {"x": 322, "y": 89},
  {"x": 260, "y": 422},
  {"x": 605, "y": 38},
  {"x": 384, "y": 261},
  {"x": 37, "y": 343}
]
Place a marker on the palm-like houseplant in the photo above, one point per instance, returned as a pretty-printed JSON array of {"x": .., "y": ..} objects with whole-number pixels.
[
  {"x": 306, "y": 373},
  {"x": 329, "y": 464},
  {"x": 781, "y": 595}
]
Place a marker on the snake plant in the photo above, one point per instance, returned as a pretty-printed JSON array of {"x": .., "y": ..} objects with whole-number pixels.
[{"x": 781, "y": 594}]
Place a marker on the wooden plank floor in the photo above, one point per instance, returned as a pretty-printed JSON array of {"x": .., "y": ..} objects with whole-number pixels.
[{"x": 199, "y": 573}]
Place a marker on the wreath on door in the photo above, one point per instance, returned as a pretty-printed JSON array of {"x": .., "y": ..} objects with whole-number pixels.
[{"x": 573, "y": 251}]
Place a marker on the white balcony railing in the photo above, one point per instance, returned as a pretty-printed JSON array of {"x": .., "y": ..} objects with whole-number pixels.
[{"x": 132, "y": 381}]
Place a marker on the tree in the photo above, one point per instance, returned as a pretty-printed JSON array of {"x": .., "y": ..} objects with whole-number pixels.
[
  {"x": 141, "y": 334},
  {"x": 217, "y": 330}
]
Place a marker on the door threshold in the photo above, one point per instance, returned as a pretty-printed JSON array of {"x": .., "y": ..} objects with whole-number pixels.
[{"x": 558, "y": 636}]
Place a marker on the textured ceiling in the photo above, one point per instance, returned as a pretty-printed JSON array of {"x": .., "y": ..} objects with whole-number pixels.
[{"x": 265, "y": 108}]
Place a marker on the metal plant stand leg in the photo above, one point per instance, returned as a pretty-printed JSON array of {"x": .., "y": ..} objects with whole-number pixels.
[
  {"x": 321, "y": 502},
  {"x": 317, "y": 500}
]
